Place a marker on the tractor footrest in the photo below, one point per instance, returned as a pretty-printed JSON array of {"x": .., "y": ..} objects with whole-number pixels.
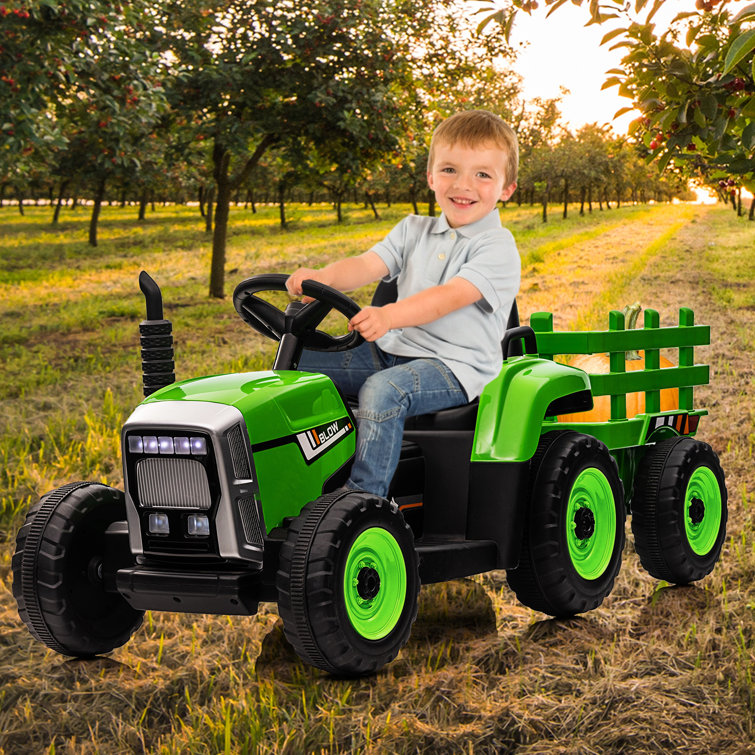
[
  {"x": 148, "y": 588},
  {"x": 442, "y": 559}
]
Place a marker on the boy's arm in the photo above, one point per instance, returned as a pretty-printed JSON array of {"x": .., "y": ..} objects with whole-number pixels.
[
  {"x": 419, "y": 309},
  {"x": 344, "y": 275}
]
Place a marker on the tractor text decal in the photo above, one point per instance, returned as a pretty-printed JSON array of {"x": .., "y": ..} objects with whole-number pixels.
[{"x": 319, "y": 439}]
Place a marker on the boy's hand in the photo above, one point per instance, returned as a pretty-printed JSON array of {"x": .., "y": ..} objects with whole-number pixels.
[
  {"x": 294, "y": 281},
  {"x": 371, "y": 323}
]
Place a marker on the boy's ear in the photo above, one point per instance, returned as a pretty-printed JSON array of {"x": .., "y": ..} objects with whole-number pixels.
[
  {"x": 508, "y": 191},
  {"x": 430, "y": 180}
]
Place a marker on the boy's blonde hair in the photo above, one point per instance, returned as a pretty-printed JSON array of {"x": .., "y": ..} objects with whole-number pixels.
[{"x": 473, "y": 128}]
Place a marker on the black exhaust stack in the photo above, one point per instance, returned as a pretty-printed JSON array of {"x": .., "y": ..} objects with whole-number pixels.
[{"x": 156, "y": 336}]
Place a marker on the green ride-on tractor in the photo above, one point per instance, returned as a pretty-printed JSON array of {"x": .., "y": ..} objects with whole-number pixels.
[{"x": 233, "y": 491}]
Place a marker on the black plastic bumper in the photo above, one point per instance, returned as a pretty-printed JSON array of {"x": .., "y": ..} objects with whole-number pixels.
[{"x": 148, "y": 588}]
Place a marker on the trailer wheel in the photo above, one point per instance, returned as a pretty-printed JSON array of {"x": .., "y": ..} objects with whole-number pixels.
[
  {"x": 574, "y": 528},
  {"x": 679, "y": 510},
  {"x": 57, "y": 572},
  {"x": 348, "y": 583}
]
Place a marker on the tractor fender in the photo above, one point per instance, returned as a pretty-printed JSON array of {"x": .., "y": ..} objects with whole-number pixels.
[{"x": 513, "y": 406}]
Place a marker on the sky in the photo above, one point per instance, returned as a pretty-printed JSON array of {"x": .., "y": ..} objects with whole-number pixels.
[{"x": 561, "y": 51}]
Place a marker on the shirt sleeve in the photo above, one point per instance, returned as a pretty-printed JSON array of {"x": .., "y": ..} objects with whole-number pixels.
[
  {"x": 392, "y": 249},
  {"x": 494, "y": 268}
]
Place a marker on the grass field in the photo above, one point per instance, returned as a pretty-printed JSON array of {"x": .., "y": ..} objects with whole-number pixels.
[{"x": 654, "y": 669}]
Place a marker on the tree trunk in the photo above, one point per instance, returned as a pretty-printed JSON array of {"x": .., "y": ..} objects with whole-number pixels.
[
  {"x": 582, "y": 193},
  {"x": 201, "y": 201},
  {"x": 371, "y": 201},
  {"x": 339, "y": 206},
  {"x": 545, "y": 203},
  {"x": 413, "y": 199},
  {"x": 59, "y": 203},
  {"x": 431, "y": 205},
  {"x": 566, "y": 197},
  {"x": 98, "y": 197},
  {"x": 751, "y": 216},
  {"x": 739, "y": 203},
  {"x": 589, "y": 198},
  {"x": 225, "y": 185},
  {"x": 209, "y": 198},
  {"x": 143, "y": 206},
  {"x": 282, "y": 203},
  {"x": 20, "y": 199}
]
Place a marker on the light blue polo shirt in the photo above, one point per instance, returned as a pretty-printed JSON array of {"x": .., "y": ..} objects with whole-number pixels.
[{"x": 422, "y": 252}]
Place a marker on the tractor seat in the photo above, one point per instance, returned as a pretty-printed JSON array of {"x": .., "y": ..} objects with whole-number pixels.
[{"x": 458, "y": 417}]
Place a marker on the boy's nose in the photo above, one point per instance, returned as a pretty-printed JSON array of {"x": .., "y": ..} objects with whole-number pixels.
[{"x": 461, "y": 181}]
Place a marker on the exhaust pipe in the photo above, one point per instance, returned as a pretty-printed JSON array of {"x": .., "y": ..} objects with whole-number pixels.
[{"x": 156, "y": 338}]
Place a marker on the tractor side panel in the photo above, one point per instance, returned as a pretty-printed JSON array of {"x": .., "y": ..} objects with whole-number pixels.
[{"x": 513, "y": 407}]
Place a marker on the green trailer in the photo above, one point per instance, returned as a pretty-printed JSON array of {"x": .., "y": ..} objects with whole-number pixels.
[{"x": 233, "y": 491}]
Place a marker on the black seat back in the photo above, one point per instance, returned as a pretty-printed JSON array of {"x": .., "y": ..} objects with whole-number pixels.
[{"x": 387, "y": 292}]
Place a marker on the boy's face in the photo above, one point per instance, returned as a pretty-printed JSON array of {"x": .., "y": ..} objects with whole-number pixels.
[{"x": 468, "y": 181}]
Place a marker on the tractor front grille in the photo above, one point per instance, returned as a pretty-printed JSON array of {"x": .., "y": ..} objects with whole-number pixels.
[{"x": 172, "y": 483}]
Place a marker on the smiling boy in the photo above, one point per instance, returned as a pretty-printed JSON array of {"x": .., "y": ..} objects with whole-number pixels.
[{"x": 457, "y": 275}]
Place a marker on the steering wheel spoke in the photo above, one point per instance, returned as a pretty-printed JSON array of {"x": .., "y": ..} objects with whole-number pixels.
[
  {"x": 271, "y": 322},
  {"x": 310, "y": 316},
  {"x": 267, "y": 319}
]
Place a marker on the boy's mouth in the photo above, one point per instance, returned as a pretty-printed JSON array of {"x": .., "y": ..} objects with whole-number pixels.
[{"x": 461, "y": 201}]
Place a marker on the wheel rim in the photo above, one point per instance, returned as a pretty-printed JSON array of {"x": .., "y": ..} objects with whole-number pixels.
[
  {"x": 702, "y": 510},
  {"x": 374, "y": 583},
  {"x": 591, "y": 523}
]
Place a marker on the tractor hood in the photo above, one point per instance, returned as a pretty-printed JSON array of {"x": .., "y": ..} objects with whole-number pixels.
[{"x": 273, "y": 403}]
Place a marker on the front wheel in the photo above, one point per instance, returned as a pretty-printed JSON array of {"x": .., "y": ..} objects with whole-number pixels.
[
  {"x": 348, "y": 583},
  {"x": 574, "y": 528},
  {"x": 679, "y": 510},
  {"x": 58, "y": 579}
]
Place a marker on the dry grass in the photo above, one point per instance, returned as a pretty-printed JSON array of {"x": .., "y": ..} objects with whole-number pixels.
[{"x": 655, "y": 669}]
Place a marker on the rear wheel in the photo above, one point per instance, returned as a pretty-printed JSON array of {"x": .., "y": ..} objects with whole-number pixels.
[
  {"x": 58, "y": 579},
  {"x": 348, "y": 583},
  {"x": 679, "y": 510},
  {"x": 574, "y": 531}
]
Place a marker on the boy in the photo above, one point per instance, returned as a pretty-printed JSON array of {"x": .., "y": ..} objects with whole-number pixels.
[{"x": 439, "y": 344}]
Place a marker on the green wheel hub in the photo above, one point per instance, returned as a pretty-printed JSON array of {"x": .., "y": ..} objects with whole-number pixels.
[
  {"x": 591, "y": 523},
  {"x": 702, "y": 510},
  {"x": 374, "y": 583}
]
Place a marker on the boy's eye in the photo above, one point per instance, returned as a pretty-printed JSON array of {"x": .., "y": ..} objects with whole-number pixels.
[
  {"x": 447, "y": 170},
  {"x": 482, "y": 174}
]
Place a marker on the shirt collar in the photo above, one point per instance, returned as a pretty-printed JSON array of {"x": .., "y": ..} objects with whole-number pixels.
[{"x": 490, "y": 222}]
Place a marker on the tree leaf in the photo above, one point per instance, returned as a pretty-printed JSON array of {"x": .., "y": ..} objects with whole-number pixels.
[
  {"x": 742, "y": 46},
  {"x": 623, "y": 110},
  {"x": 656, "y": 7},
  {"x": 709, "y": 106},
  {"x": 611, "y": 34},
  {"x": 557, "y": 4},
  {"x": 745, "y": 13},
  {"x": 748, "y": 135}
]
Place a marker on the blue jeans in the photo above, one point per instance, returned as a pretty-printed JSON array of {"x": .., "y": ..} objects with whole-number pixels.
[{"x": 390, "y": 389}]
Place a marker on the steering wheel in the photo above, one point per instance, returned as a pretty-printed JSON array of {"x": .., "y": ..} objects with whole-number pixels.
[{"x": 298, "y": 320}]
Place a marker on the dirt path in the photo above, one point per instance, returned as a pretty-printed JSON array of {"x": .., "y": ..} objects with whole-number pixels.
[{"x": 571, "y": 277}]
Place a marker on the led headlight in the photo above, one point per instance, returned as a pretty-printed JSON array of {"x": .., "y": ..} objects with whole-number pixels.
[
  {"x": 159, "y": 524},
  {"x": 198, "y": 525}
]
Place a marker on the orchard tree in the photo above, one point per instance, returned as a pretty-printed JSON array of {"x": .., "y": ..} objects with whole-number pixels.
[
  {"x": 693, "y": 82},
  {"x": 256, "y": 75}
]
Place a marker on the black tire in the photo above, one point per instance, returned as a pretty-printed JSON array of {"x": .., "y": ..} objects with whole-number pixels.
[
  {"x": 565, "y": 572},
  {"x": 57, "y": 574},
  {"x": 679, "y": 510},
  {"x": 354, "y": 630}
]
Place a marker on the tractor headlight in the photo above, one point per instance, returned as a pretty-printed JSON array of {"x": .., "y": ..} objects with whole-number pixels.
[
  {"x": 159, "y": 524},
  {"x": 198, "y": 525}
]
